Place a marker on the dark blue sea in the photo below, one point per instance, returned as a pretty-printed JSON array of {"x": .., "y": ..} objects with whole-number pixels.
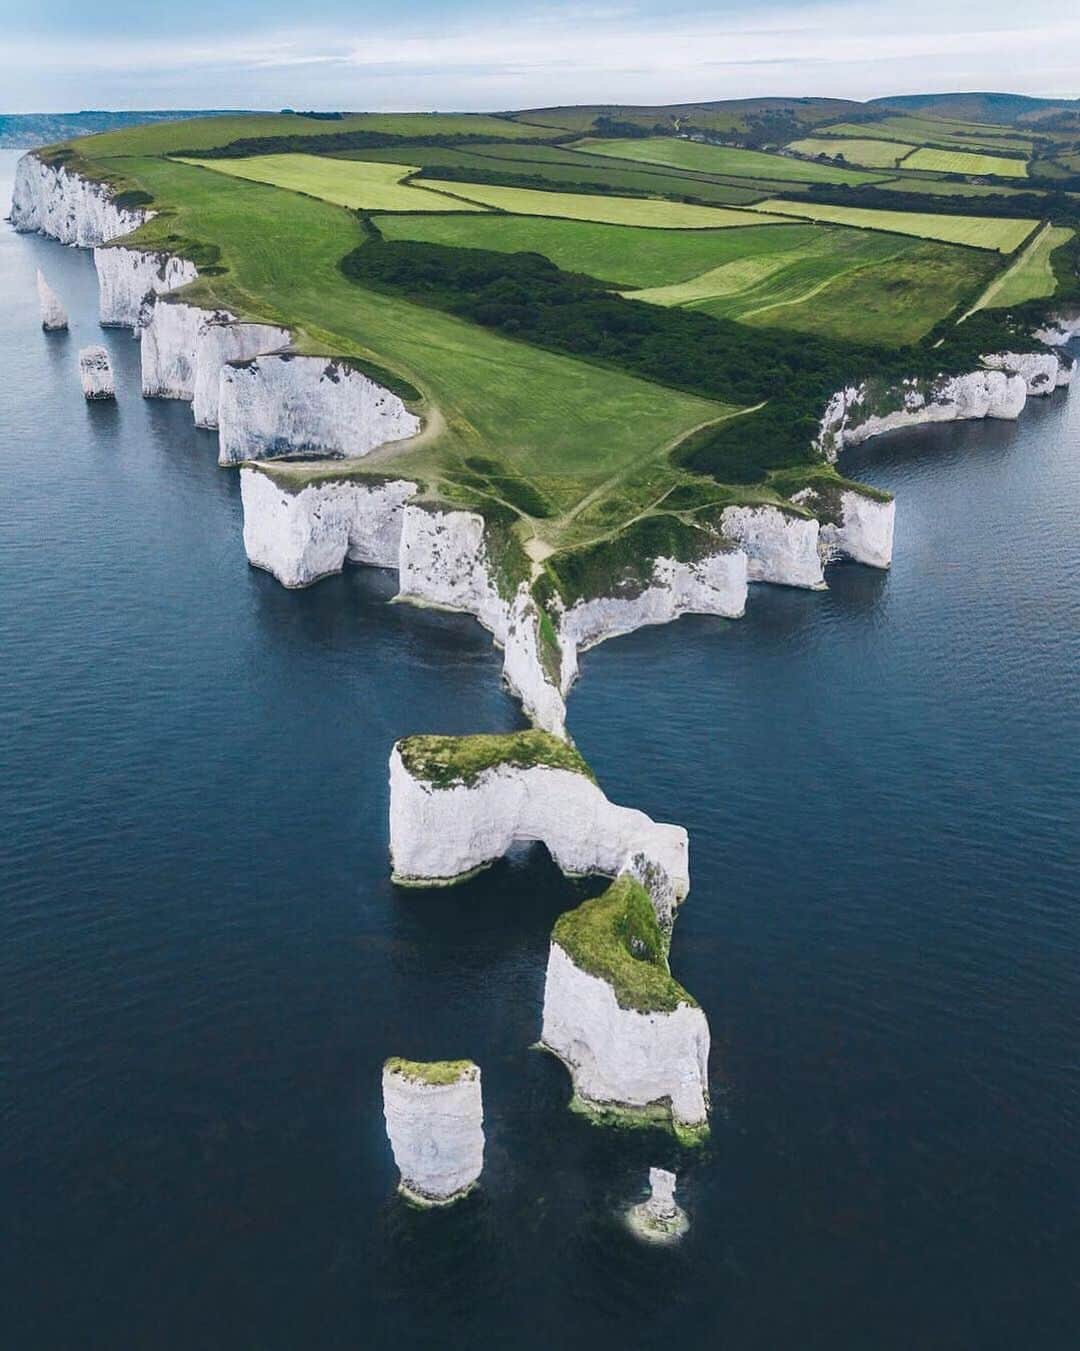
[{"x": 203, "y": 962}]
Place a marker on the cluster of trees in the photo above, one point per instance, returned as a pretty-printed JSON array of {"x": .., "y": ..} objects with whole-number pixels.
[
  {"x": 1036, "y": 205},
  {"x": 327, "y": 143}
]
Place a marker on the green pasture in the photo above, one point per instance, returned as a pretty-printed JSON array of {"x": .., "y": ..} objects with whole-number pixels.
[
  {"x": 353, "y": 183},
  {"x": 625, "y": 256},
  {"x": 920, "y": 130},
  {"x": 966, "y": 162},
  {"x": 872, "y": 154},
  {"x": 721, "y": 159},
  {"x": 1031, "y": 276},
  {"x": 651, "y": 213},
  {"x": 978, "y": 232}
]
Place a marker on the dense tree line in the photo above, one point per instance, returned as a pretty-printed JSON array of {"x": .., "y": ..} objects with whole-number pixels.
[{"x": 1035, "y": 205}]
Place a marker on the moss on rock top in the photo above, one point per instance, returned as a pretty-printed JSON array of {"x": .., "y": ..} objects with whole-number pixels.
[
  {"x": 448, "y": 761},
  {"x": 616, "y": 936},
  {"x": 434, "y": 1072}
]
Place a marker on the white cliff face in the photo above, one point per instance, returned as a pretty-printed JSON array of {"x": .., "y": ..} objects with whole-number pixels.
[
  {"x": 864, "y": 532},
  {"x": 981, "y": 394},
  {"x": 296, "y": 405},
  {"x": 1060, "y": 329},
  {"x": 221, "y": 340},
  {"x": 436, "y": 1133},
  {"x": 169, "y": 348},
  {"x": 302, "y": 536},
  {"x": 1042, "y": 372},
  {"x": 53, "y": 315},
  {"x": 442, "y": 834},
  {"x": 444, "y": 563},
  {"x": 129, "y": 280},
  {"x": 622, "y": 1058},
  {"x": 714, "y": 585},
  {"x": 67, "y": 207},
  {"x": 96, "y": 375},
  {"x": 780, "y": 546}
]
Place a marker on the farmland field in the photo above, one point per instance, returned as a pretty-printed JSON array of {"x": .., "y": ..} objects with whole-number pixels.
[
  {"x": 940, "y": 187},
  {"x": 1031, "y": 276},
  {"x": 858, "y": 285},
  {"x": 560, "y": 167},
  {"x": 620, "y": 254},
  {"x": 966, "y": 162},
  {"x": 352, "y": 183},
  {"x": 720, "y": 159},
  {"x": 873, "y": 154},
  {"x": 654, "y": 214},
  {"x": 931, "y": 130},
  {"x": 979, "y": 232}
]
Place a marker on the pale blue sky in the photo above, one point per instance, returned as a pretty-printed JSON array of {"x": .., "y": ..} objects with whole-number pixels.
[{"x": 61, "y": 55}]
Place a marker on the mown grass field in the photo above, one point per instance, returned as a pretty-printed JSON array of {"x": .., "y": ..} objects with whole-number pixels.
[
  {"x": 966, "y": 162},
  {"x": 650, "y": 213},
  {"x": 940, "y": 187},
  {"x": 872, "y": 154},
  {"x": 978, "y": 232},
  {"x": 1031, "y": 276},
  {"x": 851, "y": 284},
  {"x": 626, "y": 256},
  {"x": 352, "y": 183},
  {"x": 719, "y": 159},
  {"x": 566, "y": 425},
  {"x": 931, "y": 130}
]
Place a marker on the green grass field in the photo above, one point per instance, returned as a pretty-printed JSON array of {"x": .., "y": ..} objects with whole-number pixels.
[
  {"x": 567, "y": 425},
  {"x": 559, "y": 168},
  {"x": 718, "y": 159},
  {"x": 931, "y": 130},
  {"x": 627, "y": 256},
  {"x": 650, "y": 213},
  {"x": 205, "y": 133},
  {"x": 872, "y": 154},
  {"x": 352, "y": 183},
  {"x": 966, "y": 162},
  {"x": 851, "y": 284},
  {"x": 940, "y": 187},
  {"x": 978, "y": 232},
  {"x": 1031, "y": 276}
]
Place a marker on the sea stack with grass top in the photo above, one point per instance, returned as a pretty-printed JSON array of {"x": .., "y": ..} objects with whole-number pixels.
[
  {"x": 435, "y": 1120},
  {"x": 95, "y": 371}
]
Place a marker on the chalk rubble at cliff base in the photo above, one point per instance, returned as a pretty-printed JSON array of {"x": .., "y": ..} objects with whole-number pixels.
[
  {"x": 435, "y": 1121},
  {"x": 53, "y": 315},
  {"x": 95, "y": 372}
]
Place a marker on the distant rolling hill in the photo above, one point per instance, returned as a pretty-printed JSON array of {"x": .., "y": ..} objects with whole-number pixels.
[{"x": 1002, "y": 108}]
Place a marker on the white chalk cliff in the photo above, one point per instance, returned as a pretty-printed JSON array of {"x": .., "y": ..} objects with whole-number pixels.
[
  {"x": 441, "y": 834},
  {"x": 436, "y": 1129},
  {"x": 712, "y": 585},
  {"x": 95, "y": 372},
  {"x": 780, "y": 546},
  {"x": 301, "y": 536},
  {"x": 53, "y": 315},
  {"x": 862, "y": 531},
  {"x": 850, "y": 420},
  {"x": 169, "y": 348},
  {"x": 70, "y": 208},
  {"x": 130, "y": 280},
  {"x": 1042, "y": 372},
  {"x": 620, "y": 1057},
  {"x": 300, "y": 405},
  {"x": 219, "y": 340}
]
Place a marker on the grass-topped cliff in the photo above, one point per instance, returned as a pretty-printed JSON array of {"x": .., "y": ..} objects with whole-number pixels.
[{"x": 452, "y": 761}]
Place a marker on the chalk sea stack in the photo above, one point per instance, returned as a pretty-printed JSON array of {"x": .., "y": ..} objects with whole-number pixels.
[
  {"x": 435, "y": 1120},
  {"x": 53, "y": 315},
  {"x": 95, "y": 371},
  {"x": 659, "y": 1219}
]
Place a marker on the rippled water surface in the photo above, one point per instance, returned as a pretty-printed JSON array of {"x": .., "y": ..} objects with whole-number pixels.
[{"x": 203, "y": 963}]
